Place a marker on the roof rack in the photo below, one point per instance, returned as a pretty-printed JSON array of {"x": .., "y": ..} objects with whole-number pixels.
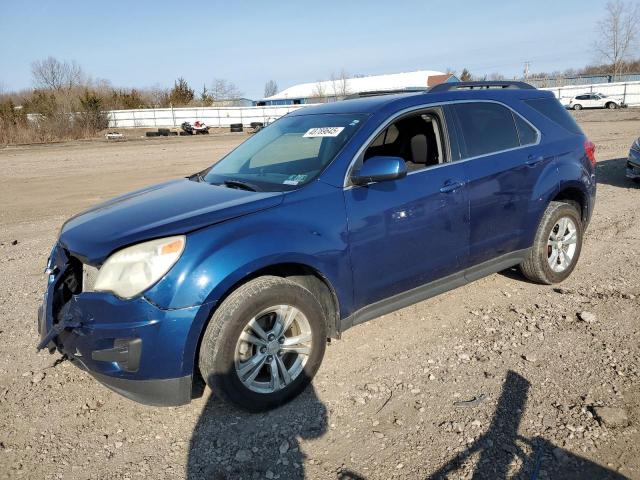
[
  {"x": 512, "y": 85},
  {"x": 375, "y": 93}
]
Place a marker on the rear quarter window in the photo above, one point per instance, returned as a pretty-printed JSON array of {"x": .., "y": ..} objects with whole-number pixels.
[
  {"x": 554, "y": 111},
  {"x": 526, "y": 132}
]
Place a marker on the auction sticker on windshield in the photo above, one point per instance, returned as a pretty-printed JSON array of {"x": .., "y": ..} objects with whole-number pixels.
[
  {"x": 295, "y": 179},
  {"x": 323, "y": 132}
]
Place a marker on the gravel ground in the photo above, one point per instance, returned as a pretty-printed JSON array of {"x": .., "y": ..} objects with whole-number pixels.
[{"x": 499, "y": 379}]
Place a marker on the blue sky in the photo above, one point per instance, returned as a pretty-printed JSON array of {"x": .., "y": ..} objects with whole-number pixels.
[{"x": 145, "y": 43}]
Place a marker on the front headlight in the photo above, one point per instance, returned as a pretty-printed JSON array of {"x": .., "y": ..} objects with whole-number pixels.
[{"x": 134, "y": 269}]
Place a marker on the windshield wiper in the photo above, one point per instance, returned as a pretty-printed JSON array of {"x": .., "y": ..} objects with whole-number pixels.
[
  {"x": 240, "y": 185},
  {"x": 197, "y": 177}
]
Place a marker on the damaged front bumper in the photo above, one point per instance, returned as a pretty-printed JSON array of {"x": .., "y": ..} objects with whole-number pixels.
[{"x": 131, "y": 346}]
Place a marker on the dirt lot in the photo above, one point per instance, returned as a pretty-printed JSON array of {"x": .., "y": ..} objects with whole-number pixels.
[{"x": 556, "y": 389}]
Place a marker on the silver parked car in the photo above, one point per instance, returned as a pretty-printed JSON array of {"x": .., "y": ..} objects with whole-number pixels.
[{"x": 633, "y": 161}]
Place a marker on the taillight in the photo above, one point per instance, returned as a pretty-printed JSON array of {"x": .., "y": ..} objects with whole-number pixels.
[{"x": 590, "y": 151}]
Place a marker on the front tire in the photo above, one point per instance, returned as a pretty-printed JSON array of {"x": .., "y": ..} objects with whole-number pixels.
[
  {"x": 557, "y": 245},
  {"x": 264, "y": 344},
  {"x": 612, "y": 106},
  {"x": 577, "y": 106}
]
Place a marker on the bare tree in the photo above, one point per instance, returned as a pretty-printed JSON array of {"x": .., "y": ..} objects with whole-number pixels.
[
  {"x": 618, "y": 33},
  {"x": 222, "y": 89},
  {"x": 340, "y": 84},
  {"x": 270, "y": 88},
  {"x": 158, "y": 96},
  {"x": 319, "y": 92},
  {"x": 53, "y": 74}
]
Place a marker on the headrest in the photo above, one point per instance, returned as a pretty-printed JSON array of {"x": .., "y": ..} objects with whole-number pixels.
[{"x": 419, "y": 149}]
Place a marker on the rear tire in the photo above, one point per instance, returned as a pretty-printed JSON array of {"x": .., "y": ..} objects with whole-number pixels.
[
  {"x": 557, "y": 245},
  {"x": 225, "y": 359}
]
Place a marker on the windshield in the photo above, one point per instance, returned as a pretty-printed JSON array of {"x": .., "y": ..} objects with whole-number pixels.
[{"x": 287, "y": 154}]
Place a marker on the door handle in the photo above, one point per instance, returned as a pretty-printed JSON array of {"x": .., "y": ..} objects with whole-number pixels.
[
  {"x": 533, "y": 161},
  {"x": 451, "y": 187}
]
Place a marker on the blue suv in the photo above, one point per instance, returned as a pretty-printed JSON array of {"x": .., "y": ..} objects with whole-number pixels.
[{"x": 331, "y": 216}]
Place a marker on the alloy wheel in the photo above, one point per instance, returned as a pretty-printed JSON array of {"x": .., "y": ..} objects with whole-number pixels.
[
  {"x": 561, "y": 245},
  {"x": 273, "y": 349}
]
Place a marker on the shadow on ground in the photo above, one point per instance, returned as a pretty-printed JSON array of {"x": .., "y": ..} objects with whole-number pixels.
[
  {"x": 228, "y": 443},
  {"x": 500, "y": 447},
  {"x": 612, "y": 172}
]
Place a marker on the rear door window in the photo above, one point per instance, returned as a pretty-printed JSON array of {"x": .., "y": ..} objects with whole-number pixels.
[{"x": 486, "y": 128}]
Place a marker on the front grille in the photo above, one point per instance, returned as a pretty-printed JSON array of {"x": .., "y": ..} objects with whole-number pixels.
[
  {"x": 72, "y": 278},
  {"x": 68, "y": 283}
]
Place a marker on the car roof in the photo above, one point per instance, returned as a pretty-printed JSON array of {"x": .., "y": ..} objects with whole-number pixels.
[{"x": 374, "y": 104}]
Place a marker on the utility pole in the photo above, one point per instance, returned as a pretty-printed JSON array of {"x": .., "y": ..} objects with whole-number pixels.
[{"x": 526, "y": 70}]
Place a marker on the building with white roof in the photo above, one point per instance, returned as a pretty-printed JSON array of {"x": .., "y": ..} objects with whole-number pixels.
[{"x": 331, "y": 90}]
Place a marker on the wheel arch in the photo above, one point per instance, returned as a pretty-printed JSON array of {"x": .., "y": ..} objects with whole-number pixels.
[
  {"x": 576, "y": 197},
  {"x": 549, "y": 189},
  {"x": 302, "y": 273},
  {"x": 307, "y": 276}
]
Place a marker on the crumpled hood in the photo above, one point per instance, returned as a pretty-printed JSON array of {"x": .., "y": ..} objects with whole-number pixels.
[{"x": 170, "y": 208}]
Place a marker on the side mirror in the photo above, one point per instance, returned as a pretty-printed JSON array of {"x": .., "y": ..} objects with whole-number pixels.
[{"x": 379, "y": 169}]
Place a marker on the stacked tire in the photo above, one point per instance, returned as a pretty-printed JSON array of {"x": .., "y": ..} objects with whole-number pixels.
[{"x": 236, "y": 127}]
